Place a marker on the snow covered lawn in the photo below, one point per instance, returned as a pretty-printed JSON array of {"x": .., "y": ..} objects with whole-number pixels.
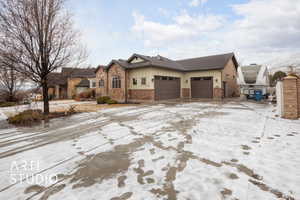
[
  {"x": 54, "y": 106},
  {"x": 235, "y": 150}
]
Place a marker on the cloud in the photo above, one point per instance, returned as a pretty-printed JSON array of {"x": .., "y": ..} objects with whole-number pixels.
[
  {"x": 265, "y": 31},
  {"x": 196, "y": 3},
  {"x": 184, "y": 26}
]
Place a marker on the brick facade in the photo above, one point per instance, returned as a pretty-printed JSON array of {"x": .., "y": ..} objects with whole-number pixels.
[
  {"x": 291, "y": 98},
  {"x": 218, "y": 93},
  {"x": 185, "y": 92},
  {"x": 144, "y": 95}
]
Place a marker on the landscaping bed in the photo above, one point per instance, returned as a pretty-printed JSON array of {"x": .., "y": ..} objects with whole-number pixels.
[{"x": 32, "y": 117}]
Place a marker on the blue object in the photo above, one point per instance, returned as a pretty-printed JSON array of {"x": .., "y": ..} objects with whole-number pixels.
[{"x": 258, "y": 95}]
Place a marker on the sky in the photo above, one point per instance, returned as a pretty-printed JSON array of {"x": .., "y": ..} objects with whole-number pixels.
[{"x": 257, "y": 31}]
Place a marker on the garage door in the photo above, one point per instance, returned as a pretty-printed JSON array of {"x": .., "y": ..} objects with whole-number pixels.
[
  {"x": 166, "y": 87},
  {"x": 202, "y": 87}
]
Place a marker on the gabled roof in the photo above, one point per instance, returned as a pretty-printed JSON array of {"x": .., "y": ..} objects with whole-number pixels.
[
  {"x": 100, "y": 66},
  {"x": 79, "y": 72},
  {"x": 215, "y": 62},
  {"x": 55, "y": 78}
]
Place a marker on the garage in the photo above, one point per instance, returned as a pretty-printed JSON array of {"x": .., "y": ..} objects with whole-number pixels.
[
  {"x": 166, "y": 87},
  {"x": 202, "y": 87}
]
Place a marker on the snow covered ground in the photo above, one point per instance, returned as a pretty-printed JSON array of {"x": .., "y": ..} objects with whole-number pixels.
[{"x": 166, "y": 151}]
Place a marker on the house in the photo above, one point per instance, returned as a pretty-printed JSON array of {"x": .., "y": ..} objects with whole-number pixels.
[
  {"x": 71, "y": 82},
  {"x": 145, "y": 78},
  {"x": 253, "y": 77}
]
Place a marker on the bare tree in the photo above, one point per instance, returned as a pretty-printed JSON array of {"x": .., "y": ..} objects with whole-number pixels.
[
  {"x": 38, "y": 37},
  {"x": 11, "y": 81}
]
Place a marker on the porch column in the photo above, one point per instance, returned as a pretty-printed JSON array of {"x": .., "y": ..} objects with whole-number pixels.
[{"x": 57, "y": 92}]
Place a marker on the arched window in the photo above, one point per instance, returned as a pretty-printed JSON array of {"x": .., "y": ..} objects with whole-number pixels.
[{"x": 116, "y": 82}]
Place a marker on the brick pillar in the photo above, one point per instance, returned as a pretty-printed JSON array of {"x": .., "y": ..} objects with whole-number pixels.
[{"x": 290, "y": 98}]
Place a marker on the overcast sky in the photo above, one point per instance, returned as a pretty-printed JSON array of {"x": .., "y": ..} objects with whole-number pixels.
[{"x": 258, "y": 31}]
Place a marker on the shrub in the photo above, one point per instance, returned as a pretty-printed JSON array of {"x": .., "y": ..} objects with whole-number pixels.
[
  {"x": 87, "y": 94},
  {"x": 103, "y": 100},
  {"x": 8, "y": 104},
  {"x": 77, "y": 98},
  {"x": 84, "y": 95},
  {"x": 27, "y": 117},
  {"x": 111, "y": 101}
]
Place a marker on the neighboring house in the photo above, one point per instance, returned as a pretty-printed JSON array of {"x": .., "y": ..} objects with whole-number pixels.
[
  {"x": 71, "y": 81},
  {"x": 253, "y": 77},
  {"x": 145, "y": 78}
]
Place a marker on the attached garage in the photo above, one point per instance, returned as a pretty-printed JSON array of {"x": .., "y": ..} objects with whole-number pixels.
[
  {"x": 166, "y": 87},
  {"x": 202, "y": 87}
]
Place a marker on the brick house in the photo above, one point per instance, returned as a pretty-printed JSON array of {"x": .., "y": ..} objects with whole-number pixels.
[
  {"x": 70, "y": 82},
  {"x": 145, "y": 78}
]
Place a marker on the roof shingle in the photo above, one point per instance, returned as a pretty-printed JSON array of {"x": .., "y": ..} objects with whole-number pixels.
[{"x": 215, "y": 62}]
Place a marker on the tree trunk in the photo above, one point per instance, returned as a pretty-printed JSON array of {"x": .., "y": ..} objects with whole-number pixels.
[
  {"x": 11, "y": 97},
  {"x": 45, "y": 97}
]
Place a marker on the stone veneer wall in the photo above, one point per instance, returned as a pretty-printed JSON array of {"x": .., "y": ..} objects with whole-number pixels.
[
  {"x": 101, "y": 75},
  {"x": 144, "y": 95},
  {"x": 117, "y": 94},
  {"x": 186, "y": 92},
  {"x": 218, "y": 93},
  {"x": 229, "y": 75}
]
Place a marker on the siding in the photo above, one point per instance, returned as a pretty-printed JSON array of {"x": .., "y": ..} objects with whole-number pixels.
[{"x": 216, "y": 74}]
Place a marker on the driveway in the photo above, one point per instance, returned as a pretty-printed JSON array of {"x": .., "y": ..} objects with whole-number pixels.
[{"x": 170, "y": 151}]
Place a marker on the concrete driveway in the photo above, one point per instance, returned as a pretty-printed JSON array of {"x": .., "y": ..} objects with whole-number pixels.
[{"x": 166, "y": 151}]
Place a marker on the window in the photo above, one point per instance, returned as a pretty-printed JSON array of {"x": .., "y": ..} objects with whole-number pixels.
[
  {"x": 134, "y": 81},
  {"x": 144, "y": 81},
  {"x": 92, "y": 84},
  {"x": 101, "y": 83},
  {"x": 116, "y": 82}
]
